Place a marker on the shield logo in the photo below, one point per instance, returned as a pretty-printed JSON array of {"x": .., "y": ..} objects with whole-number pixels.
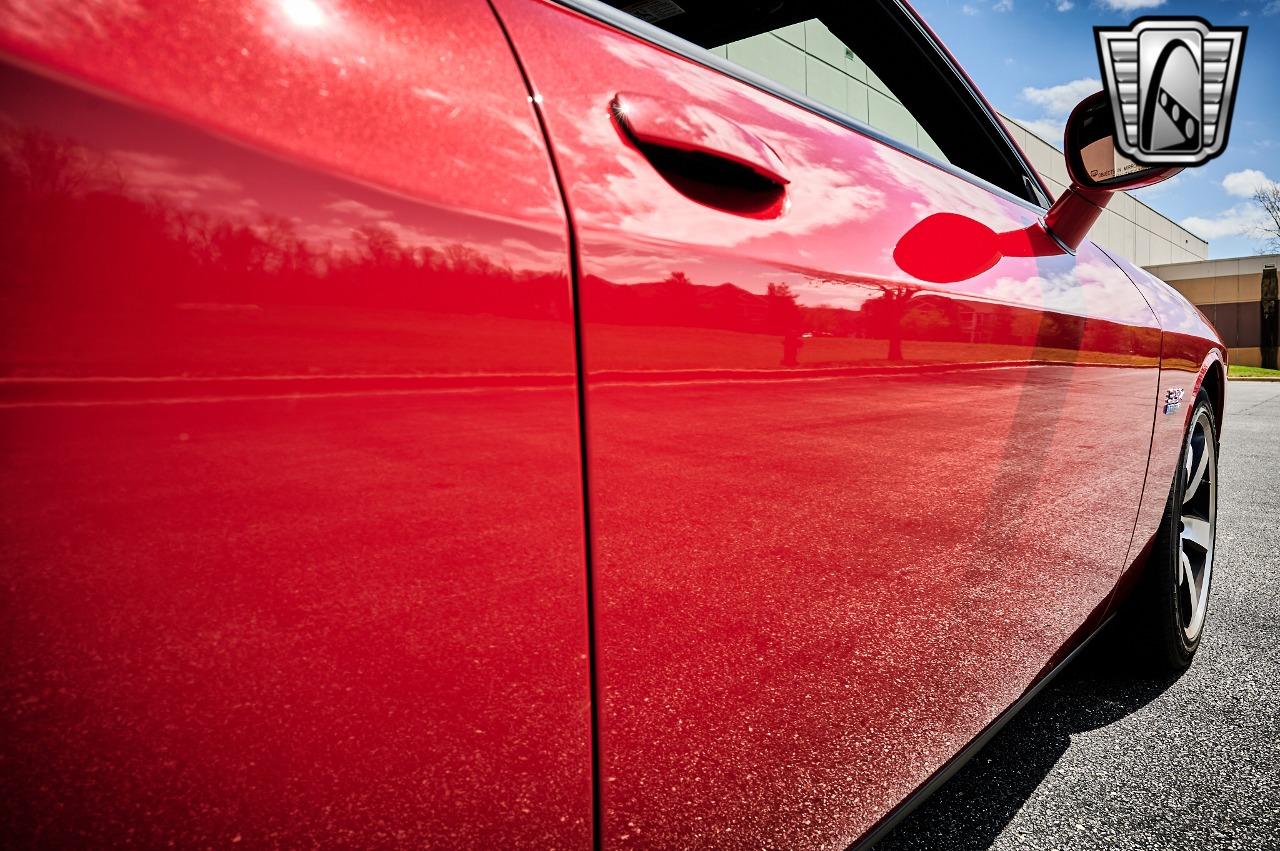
[{"x": 1172, "y": 83}]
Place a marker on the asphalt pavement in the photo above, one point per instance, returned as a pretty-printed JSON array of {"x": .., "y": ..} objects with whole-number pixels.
[{"x": 1101, "y": 759}]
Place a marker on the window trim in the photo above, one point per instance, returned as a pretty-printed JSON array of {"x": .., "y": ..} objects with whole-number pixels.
[{"x": 616, "y": 18}]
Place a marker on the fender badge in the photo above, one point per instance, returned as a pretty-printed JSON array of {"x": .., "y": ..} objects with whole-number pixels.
[{"x": 1173, "y": 399}]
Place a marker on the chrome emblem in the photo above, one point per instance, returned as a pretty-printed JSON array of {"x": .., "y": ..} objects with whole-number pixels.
[
  {"x": 1173, "y": 399},
  {"x": 1172, "y": 83}
]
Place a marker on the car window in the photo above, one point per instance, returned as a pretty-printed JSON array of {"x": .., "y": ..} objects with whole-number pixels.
[
  {"x": 869, "y": 61},
  {"x": 811, "y": 59}
]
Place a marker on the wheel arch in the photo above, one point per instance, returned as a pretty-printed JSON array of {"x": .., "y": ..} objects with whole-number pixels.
[{"x": 1214, "y": 381}]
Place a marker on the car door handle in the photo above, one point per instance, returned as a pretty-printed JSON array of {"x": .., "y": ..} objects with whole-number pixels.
[{"x": 694, "y": 129}]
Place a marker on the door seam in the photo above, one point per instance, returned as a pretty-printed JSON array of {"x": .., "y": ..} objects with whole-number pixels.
[
  {"x": 1133, "y": 552},
  {"x": 597, "y": 814}
]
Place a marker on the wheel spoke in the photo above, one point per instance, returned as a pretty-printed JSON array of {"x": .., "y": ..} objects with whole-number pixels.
[
  {"x": 1188, "y": 576},
  {"x": 1197, "y": 477},
  {"x": 1186, "y": 590},
  {"x": 1197, "y": 531},
  {"x": 1196, "y": 516}
]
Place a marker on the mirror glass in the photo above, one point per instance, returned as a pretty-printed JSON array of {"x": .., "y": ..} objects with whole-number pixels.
[{"x": 1092, "y": 156}]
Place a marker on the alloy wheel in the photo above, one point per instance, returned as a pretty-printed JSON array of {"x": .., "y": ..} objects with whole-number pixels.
[{"x": 1196, "y": 526}]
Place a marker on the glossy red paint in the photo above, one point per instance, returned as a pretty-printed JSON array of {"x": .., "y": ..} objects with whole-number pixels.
[
  {"x": 289, "y": 398},
  {"x": 1074, "y": 213},
  {"x": 293, "y": 547},
  {"x": 1191, "y": 354},
  {"x": 842, "y": 515}
]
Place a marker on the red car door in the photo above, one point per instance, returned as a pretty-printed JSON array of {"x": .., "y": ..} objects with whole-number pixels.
[
  {"x": 841, "y": 517},
  {"x": 293, "y": 543}
]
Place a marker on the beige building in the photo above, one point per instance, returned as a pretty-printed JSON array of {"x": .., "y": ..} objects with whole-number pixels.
[
  {"x": 1239, "y": 297},
  {"x": 808, "y": 58}
]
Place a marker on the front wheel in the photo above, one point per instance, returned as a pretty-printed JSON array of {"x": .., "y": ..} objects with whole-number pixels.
[{"x": 1171, "y": 603}]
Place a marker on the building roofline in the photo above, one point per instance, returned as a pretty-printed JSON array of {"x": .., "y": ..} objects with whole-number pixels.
[{"x": 1275, "y": 257}]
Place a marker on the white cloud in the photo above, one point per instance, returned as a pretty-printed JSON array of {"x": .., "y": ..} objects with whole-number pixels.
[
  {"x": 1131, "y": 5},
  {"x": 147, "y": 173},
  {"x": 1081, "y": 291},
  {"x": 973, "y": 10},
  {"x": 1060, "y": 100},
  {"x": 1049, "y": 129},
  {"x": 1240, "y": 220},
  {"x": 1002, "y": 6},
  {"x": 351, "y": 207},
  {"x": 1243, "y": 184},
  {"x": 1272, "y": 8},
  {"x": 1067, "y": 5}
]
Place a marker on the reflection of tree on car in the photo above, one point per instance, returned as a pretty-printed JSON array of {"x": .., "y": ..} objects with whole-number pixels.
[{"x": 785, "y": 319}]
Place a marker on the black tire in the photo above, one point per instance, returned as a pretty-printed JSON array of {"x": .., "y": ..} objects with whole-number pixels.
[{"x": 1166, "y": 616}]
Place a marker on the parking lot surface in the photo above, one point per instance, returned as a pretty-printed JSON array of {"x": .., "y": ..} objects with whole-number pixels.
[{"x": 1103, "y": 760}]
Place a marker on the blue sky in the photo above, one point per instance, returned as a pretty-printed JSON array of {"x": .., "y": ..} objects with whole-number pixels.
[{"x": 1030, "y": 57}]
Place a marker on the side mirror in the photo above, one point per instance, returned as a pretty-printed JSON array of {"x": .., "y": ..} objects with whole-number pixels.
[
  {"x": 947, "y": 247},
  {"x": 1096, "y": 169}
]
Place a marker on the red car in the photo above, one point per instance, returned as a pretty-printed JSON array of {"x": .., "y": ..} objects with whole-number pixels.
[{"x": 514, "y": 425}]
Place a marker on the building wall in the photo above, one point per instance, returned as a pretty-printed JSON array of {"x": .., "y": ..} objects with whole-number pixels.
[
  {"x": 1230, "y": 294},
  {"x": 808, "y": 58}
]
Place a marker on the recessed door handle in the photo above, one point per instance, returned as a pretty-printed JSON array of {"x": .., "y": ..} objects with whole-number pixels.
[{"x": 694, "y": 129}]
